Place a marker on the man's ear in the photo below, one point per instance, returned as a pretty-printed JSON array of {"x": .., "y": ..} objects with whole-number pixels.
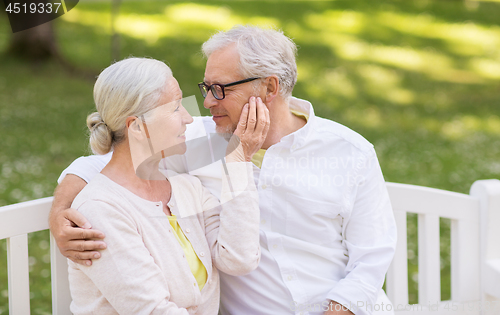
[
  {"x": 272, "y": 88},
  {"x": 135, "y": 128}
]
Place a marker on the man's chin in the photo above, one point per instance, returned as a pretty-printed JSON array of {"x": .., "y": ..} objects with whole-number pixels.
[{"x": 225, "y": 131}]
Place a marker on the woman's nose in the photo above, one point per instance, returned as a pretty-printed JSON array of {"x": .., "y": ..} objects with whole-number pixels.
[{"x": 187, "y": 117}]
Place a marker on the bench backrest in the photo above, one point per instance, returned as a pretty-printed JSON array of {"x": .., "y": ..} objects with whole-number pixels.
[
  {"x": 471, "y": 246},
  {"x": 475, "y": 254},
  {"x": 16, "y": 221}
]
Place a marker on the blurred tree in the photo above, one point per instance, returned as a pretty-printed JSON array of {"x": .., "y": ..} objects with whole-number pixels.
[
  {"x": 35, "y": 44},
  {"x": 39, "y": 44}
]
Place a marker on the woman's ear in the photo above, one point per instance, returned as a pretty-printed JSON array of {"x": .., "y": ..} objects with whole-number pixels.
[
  {"x": 135, "y": 128},
  {"x": 272, "y": 88}
]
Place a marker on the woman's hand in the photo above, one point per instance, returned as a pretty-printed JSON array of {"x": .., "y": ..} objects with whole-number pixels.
[{"x": 250, "y": 133}]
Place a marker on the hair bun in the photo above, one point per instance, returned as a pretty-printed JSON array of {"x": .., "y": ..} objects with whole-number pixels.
[{"x": 101, "y": 137}]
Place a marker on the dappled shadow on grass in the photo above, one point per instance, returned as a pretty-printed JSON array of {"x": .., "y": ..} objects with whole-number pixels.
[
  {"x": 42, "y": 120},
  {"x": 370, "y": 54}
]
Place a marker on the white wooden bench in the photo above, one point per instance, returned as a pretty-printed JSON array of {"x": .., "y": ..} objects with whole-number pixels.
[
  {"x": 475, "y": 250},
  {"x": 16, "y": 221}
]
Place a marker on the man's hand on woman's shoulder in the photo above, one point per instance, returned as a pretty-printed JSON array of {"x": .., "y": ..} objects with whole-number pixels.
[{"x": 73, "y": 233}]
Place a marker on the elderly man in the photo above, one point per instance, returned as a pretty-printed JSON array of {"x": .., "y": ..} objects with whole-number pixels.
[{"x": 327, "y": 231}]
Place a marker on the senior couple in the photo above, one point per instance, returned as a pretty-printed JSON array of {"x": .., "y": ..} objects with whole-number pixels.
[{"x": 295, "y": 220}]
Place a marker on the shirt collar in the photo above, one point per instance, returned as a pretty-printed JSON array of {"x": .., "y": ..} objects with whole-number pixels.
[{"x": 298, "y": 138}]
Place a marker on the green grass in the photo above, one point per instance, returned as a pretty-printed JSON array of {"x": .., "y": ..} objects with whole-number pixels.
[{"x": 419, "y": 79}]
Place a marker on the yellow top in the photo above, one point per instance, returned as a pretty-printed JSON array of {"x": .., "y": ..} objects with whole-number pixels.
[
  {"x": 300, "y": 114},
  {"x": 258, "y": 157},
  {"x": 197, "y": 268}
]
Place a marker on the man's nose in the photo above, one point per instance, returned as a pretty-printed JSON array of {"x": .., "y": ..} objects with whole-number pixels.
[{"x": 209, "y": 101}]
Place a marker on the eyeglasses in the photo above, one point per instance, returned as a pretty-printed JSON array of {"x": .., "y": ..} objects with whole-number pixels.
[{"x": 218, "y": 89}]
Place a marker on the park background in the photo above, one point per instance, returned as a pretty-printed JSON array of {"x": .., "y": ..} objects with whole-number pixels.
[{"x": 418, "y": 79}]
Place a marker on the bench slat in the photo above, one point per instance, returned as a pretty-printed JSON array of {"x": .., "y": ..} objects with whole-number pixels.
[
  {"x": 429, "y": 271},
  {"x": 61, "y": 297},
  {"x": 397, "y": 277},
  {"x": 465, "y": 284},
  {"x": 18, "y": 274}
]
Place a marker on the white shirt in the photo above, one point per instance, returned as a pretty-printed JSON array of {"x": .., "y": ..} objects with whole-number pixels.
[{"x": 327, "y": 229}]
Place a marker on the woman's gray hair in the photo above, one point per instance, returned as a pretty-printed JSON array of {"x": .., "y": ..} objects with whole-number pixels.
[
  {"x": 263, "y": 52},
  {"x": 130, "y": 87}
]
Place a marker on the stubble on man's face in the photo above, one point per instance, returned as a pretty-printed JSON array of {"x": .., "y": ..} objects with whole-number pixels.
[{"x": 226, "y": 131}]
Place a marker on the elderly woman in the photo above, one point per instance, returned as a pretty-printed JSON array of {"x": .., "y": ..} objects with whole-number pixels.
[{"x": 157, "y": 260}]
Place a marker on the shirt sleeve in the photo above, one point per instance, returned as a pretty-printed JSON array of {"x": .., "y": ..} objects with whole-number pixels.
[
  {"x": 86, "y": 167},
  {"x": 232, "y": 227},
  {"x": 369, "y": 234},
  {"x": 126, "y": 273}
]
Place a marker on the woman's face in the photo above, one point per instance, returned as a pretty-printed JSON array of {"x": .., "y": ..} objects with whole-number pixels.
[{"x": 166, "y": 124}]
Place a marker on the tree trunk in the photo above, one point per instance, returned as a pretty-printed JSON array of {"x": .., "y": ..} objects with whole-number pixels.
[{"x": 34, "y": 44}]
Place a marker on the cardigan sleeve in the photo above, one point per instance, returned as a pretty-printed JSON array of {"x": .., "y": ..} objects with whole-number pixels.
[
  {"x": 232, "y": 227},
  {"x": 126, "y": 273}
]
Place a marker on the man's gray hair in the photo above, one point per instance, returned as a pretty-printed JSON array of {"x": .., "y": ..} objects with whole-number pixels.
[{"x": 263, "y": 52}]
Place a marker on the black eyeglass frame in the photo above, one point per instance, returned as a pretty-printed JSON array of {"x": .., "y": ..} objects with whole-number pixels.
[{"x": 204, "y": 88}]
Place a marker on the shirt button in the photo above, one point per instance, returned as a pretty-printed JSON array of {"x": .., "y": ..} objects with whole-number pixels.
[
  {"x": 294, "y": 146},
  {"x": 290, "y": 278},
  {"x": 275, "y": 246},
  {"x": 202, "y": 254},
  {"x": 263, "y": 221},
  {"x": 264, "y": 186},
  {"x": 188, "y": 230}
]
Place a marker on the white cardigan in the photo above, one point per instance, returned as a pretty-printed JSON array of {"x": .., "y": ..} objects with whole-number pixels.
[{"x": 143, "y": 270}]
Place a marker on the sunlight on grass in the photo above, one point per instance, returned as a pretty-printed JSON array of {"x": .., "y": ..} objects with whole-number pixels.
[
  {"x": 145, "y": 27},
  {"x": 338, "y": 82},
  {"x": 487, "y": 67},
  {"x": 341, "y": 31},
  {"x": 465, "y": 38},
  {"x": 341, "y": 21},
  {"x": 89, "y": 18},
  {"x": 436, "y": 65},
  {"x": 201, "y": 15},
  {"x": 385, "y": 84},
  {"x": 182, "y": 20},
  {"x": 369, "y": 117},
  {"x": 467, "y": 124}
]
